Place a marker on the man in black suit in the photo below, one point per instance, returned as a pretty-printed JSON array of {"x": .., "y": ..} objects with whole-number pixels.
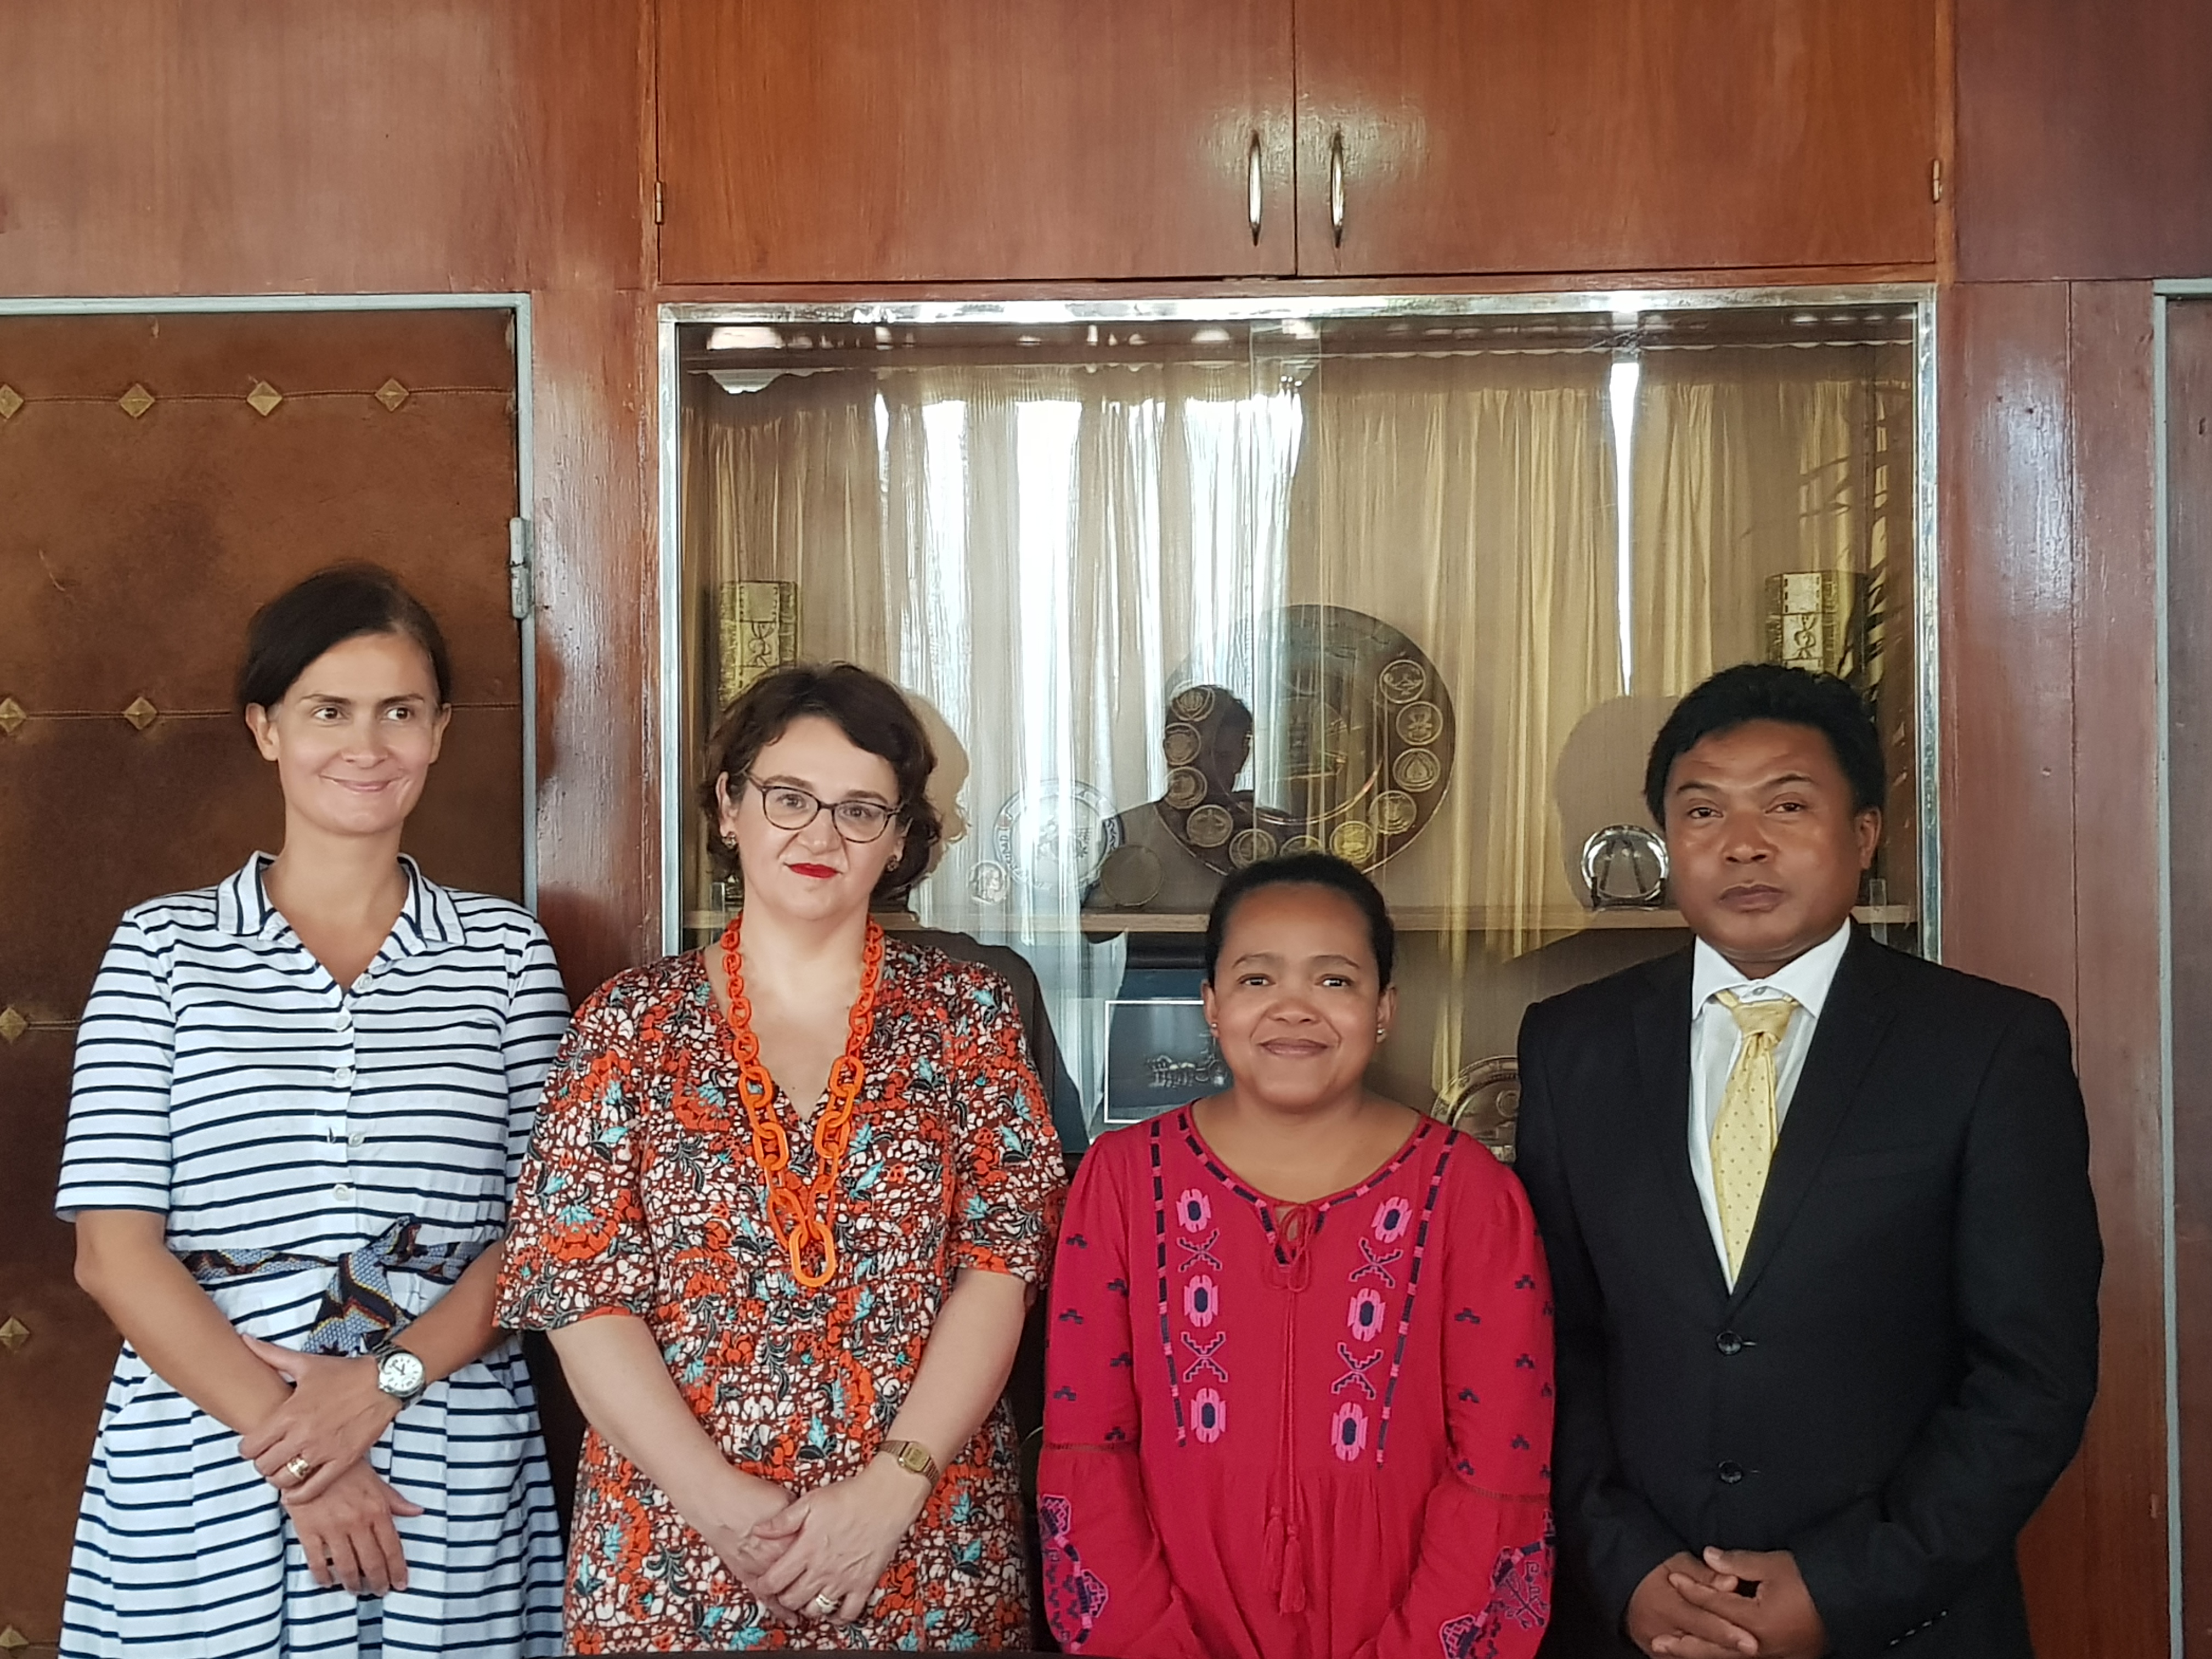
[{"x": 1821, "y": 1235}]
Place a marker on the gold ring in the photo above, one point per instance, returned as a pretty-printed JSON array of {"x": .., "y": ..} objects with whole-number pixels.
[
  {"x": 824, "y": 1605},
  {"x": 298, "y": 1468}
]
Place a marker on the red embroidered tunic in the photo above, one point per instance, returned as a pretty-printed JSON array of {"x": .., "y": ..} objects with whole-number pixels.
[{"x": 1298, "y": 1432}]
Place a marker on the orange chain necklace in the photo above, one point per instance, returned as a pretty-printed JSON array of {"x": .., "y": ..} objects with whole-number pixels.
[{"x": 800, "y": 1216}]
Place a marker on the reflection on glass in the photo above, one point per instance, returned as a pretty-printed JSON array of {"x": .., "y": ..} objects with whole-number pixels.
[{"x": 1364, "y": 583}]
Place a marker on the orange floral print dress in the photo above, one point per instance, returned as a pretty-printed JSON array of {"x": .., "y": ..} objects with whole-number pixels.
[{"x": 640, "y": 1196}]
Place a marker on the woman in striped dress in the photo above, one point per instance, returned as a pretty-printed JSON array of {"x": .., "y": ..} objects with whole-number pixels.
[{"x": 300, "y": 1101}]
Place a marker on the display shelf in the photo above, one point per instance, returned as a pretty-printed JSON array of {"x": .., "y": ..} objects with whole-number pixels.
[{"x": 1414, "y": 919}]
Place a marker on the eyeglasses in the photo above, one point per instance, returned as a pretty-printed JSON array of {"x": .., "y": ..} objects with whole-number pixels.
[{"x": 789, "y": 807}]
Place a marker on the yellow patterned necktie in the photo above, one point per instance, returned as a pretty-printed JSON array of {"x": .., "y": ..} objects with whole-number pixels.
[{"x": 1743, "y": 1133}]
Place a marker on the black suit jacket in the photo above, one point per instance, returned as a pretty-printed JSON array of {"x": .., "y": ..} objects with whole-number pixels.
[{"x": 1905, "y": 1363}]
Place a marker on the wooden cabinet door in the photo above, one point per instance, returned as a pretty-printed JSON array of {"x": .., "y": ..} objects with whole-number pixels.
[
  {"x": 1615, "y": 134},
  {"x": 875, "y": 140}
]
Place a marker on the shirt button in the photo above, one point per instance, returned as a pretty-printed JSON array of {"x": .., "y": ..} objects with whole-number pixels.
[
  {"x": 356, "y": 1140},
  {"x": 1729, "y": 1343},
  {"x": 362, "y": 984},
  {"x": 343, "y": 1193},
  {"x": 1730, "y": 1473},
  {"x": 344, "y": 1074}
]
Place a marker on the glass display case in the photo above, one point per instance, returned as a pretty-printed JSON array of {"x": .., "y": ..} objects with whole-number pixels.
[{"x": 1179, "y": 584}]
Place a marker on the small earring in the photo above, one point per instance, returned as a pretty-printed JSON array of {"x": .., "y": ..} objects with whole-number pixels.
[{"x": 1381, "y": 1031}]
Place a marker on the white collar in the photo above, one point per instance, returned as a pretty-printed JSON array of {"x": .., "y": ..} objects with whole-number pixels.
[{"x": 1804, "y": 982}]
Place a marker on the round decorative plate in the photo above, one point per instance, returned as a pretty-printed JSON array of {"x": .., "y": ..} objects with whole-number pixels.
[
  {"x": 1053, "y": 836},
  {"x": 1483, "y": 1099},
  {"x": 1354, "y": 725}
]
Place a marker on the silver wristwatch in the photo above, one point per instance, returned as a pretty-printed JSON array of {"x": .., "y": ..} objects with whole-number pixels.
[{"x": 399, "y": 1373}]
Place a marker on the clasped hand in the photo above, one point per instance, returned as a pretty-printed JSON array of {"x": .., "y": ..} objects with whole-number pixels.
[
  {"x": 1688, "y": 1608},
  {"x": 342, "y": 1511},
  {"x": 834, "y": 1544}
]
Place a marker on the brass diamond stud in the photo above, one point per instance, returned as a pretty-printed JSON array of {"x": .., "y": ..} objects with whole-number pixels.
[
  {"x": 390, "y": 394},
  {"x": 11, "y": 716},
  {"x": 265, "y": 398},
  {"x": 142, "y": 714},
  {"x": 137, "y": 401},
  {"x": 12, "y": 1025},
  {"x": 13, "y": 1334},
  {"x": 10, "y": 401},
  {"x": 11, "y": 1638}
]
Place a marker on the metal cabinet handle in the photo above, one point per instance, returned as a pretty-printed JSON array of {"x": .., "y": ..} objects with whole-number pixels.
[
  {"x": 1336, "y": 187},
  {"x": 1252, "y": 186}
]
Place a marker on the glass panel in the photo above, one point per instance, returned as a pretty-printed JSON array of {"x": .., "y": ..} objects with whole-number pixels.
[{"x": 1174, "y": 595}]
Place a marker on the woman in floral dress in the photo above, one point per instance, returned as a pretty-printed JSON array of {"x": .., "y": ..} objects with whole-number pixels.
[
  {"x": 785, "y": 1205},
  {"x": 1300, "y": 1401}
]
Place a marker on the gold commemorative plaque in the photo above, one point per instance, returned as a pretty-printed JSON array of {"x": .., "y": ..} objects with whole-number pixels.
[
  {"x": 1395, "y": 812},
  {"x": 1417, "y": 769},
  {"x": 1250, "y": 847},
  {"x": 1420, "y": 724},
  {"x": 1209, "y": 826},
  {"x": 1402, "y": 681},
  {"x": 1181, "y": 744},
  {"x": 1353, "y": 841},
  {"x": 1192, "y": 704},
  {"x": 1185, "y": 788}
]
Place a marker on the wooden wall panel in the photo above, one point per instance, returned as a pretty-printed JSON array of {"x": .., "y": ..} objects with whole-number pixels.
[
  {"x": 2049, "y": 832},
  {"x": 2189, "y": 644},
  {"x": 231, "y": 147},
  {"x": 599, "y": 822},
  {"x": 2008, "y": 581},
  {"x": 2097, "y": 1554},
  {"x": 2084, "y": 138}
]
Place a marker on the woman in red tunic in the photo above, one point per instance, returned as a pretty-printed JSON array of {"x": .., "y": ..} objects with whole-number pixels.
[{"x": 1300, "y": 1379}]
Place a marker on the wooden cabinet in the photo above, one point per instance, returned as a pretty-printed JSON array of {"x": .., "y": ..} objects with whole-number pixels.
[
  {"x": 841, "y": 141},
  {"x": 1615, "y": 134},
  {"x": 898, "y": 141}
]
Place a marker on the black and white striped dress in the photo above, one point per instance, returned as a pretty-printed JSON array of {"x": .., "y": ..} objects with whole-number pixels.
[{"x": 225, "y": 1080}]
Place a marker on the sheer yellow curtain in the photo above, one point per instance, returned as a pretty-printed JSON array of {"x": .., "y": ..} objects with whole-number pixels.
[
  {"x": 1750, "y": 462},
  {"x": 1041, "y": 555},
  {"x": 1468, "y": 501}
]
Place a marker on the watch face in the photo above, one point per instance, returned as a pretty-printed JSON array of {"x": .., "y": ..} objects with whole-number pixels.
[{"x": 399, "y": 1373}]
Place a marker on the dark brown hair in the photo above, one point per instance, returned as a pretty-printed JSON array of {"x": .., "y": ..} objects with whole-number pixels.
[
  {"x": 871, "y": 714},
  {"x": 1323, "y": 870},
  {"x": 329, "y": 607}
]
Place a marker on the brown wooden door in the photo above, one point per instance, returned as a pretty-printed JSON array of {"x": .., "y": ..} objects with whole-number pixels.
[
  {"x": 133, "y": 547},
  {"x": 1615, "y": 134},
  {"x": 895, "y": 141}
]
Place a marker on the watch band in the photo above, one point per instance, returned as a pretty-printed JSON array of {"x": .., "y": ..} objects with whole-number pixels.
[{"x": 914, "y": 1458}]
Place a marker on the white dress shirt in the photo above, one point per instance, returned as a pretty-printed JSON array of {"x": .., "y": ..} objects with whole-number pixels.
[{"x": 1714, "y": 1039}]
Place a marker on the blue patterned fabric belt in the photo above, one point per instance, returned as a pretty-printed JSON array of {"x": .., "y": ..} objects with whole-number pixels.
[{"x": 357, "y": 1304}]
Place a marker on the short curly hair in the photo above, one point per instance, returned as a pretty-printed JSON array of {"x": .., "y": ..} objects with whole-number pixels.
[
  {"x": 872, "y": 713},
  {"x": 1769, "y": 691}
]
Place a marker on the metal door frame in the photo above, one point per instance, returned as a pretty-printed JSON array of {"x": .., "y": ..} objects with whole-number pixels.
[
  {"x": 1926, "y": 556},
  {"x": 2163, "y": 294}
]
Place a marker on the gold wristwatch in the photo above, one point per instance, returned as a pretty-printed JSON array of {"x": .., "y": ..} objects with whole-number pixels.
[{"x": 914, "y": 1457}]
